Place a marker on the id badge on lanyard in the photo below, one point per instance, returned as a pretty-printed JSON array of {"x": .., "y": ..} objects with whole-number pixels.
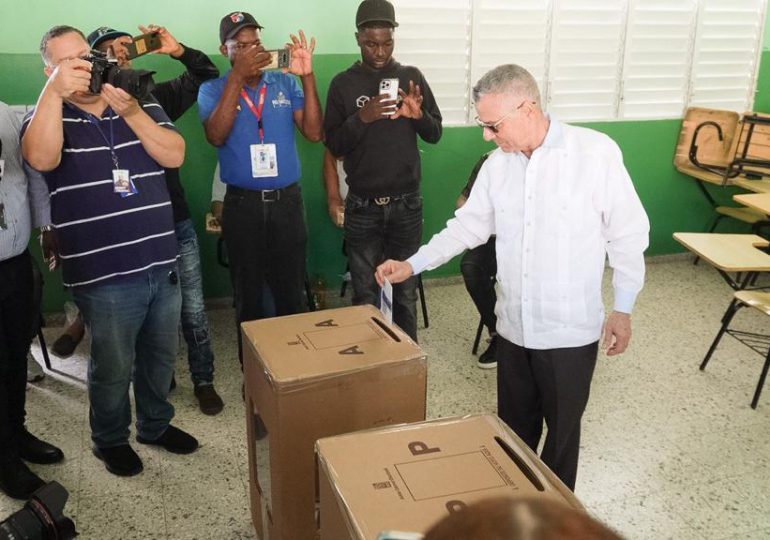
[
  {"x": 121, "y": 178},
  {"x": 264, "y": 157}
]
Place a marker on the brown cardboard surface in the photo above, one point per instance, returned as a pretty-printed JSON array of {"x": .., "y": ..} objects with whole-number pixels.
[
  {"x": 299, "y": 349},
  {"x": 408, "y": 477},
  {"x": 318, "y": 388}
]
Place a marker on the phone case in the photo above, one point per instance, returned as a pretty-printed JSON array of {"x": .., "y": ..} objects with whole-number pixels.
[{"x": 143, "y": 44}]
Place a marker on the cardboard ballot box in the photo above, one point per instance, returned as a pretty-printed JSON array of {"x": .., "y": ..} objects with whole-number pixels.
[
  {"x": 406, "y": 478},
  {"x": 316, "y": 375}
]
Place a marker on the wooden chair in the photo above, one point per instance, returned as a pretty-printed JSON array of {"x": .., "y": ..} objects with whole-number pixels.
[
  {"x": 759, "y": 343},
  {"x": 706, "y": 151},
  {"x": 477, "y": 339},
  {"x": 752, "y": 150}
]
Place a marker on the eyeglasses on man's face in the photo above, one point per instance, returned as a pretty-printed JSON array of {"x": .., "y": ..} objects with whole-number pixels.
[
  {"x": 494, "y": 127},
  {"x": 237, "y": 46}
]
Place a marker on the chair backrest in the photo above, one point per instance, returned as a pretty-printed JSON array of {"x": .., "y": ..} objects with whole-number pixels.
[
  {"x": 752, "y": 146},
  {"x": 710, "y": 148}
]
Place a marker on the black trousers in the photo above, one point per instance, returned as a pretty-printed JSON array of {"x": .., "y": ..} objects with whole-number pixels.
[
  {"x": 16, "y": 315},
  {"x": 479, "y": 267},
  {"x": 265, "y": 242},
  {"x": 551, "y": 385}
]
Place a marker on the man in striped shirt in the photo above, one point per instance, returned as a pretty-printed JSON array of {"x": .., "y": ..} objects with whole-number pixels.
[{"x": 103, "y": 157}]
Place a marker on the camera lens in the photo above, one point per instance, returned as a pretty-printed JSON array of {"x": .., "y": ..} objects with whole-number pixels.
[{"x": 42, "y": 518}]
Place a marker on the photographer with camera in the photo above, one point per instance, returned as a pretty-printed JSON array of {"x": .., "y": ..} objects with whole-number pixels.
[
  {"x": 176, "y": 96},
  {"x": 23, "y": 204},
  {"x": 117, "y": 246},
  {"x": 250, "y": 115},
  {"x": 377, "y": 134}
]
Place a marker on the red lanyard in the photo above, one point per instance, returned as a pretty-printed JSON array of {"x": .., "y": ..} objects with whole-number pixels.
[{"x": 257, "y": 110}]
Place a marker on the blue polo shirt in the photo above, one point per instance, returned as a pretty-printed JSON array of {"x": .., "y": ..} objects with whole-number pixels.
[{"x": 283, "y": 97}]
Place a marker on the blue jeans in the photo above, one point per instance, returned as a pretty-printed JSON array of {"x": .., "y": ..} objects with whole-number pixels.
[
  {"x": 133, "y": 326},
  {"x": 195, "y": 323},
  {"x": 374, "y": 233}
]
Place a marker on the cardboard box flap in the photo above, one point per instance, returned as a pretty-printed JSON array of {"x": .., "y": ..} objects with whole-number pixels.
[
  {"x": 300, "y": 350},
  {"x": 407, "y": 477}
]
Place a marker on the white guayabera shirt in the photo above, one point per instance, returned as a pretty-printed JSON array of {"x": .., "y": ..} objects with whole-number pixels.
[{"x": 557, "y": 216}]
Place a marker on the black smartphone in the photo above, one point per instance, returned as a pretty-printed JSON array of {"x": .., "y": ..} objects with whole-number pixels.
[{"x": 142, "y": 45}]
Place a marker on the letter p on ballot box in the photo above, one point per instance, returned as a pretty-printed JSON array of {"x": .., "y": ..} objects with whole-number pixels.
[{"x": 406, "y": 478}]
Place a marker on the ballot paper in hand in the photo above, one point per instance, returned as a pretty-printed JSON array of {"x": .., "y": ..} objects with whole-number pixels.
[{"x": 386, "y": 301}]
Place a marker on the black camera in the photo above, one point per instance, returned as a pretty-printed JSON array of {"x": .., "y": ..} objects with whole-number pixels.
[
  {"x": 137, "y": 82},
  {"x": 42, "y": 518}
]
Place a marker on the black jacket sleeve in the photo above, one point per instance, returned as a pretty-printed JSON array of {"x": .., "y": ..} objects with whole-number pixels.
[
  {"x": 429, "y": 126},
  {"x": 342, "y": 131},
  {"x": 178, "y": 95}
]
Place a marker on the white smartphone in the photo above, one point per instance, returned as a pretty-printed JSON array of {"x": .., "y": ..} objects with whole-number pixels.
[{"x": 389, "y": 87}]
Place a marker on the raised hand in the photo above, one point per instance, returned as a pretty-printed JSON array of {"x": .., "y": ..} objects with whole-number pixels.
[
  {"x": 120, "y": 101},
  {"x": 118, "y": 50},
  {"x": 411, "y": 103},
  {"x": 168, "y": 43},
  {"x": 249, "y": 61},
  {"x": 301, "y": 55},
  {"x": 70, "y": 77},
  {"x": 377, "y": 108}
]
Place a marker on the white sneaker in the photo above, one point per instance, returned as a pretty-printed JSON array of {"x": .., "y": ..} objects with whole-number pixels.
[{"x": 34, "y": 371}]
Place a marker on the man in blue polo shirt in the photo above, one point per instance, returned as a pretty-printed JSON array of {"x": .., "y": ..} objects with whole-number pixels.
[
  {"x": 103, "y": 157},
  {"x": 249, "y": 115}
]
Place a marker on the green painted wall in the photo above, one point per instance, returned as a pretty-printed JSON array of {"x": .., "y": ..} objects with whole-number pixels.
[
  {"x": 330, "y": 21},
  {"x": 671, "y": 199}
]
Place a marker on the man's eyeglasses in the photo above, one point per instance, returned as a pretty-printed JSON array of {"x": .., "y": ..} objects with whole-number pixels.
[
  {"x": 234, "y": 45},
  {"x": 494, "y": 127}
]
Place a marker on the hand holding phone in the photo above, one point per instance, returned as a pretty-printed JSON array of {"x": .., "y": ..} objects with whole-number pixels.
[
  {"x": 143, "y": 44},
  {"x": 389, "y": 88},
  {"x": 279, "y": 59}
]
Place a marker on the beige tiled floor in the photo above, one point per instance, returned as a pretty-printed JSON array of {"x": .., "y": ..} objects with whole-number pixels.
[{"x": 668, "y": 451}]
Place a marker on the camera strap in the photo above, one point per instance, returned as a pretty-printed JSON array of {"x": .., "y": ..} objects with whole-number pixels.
[{"x": 257, "y": 111}]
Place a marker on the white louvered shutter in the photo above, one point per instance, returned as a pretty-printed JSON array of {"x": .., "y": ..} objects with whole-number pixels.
[
  {"x": 658, "y": 51},
  {"x": 727, "y": 49},
  {"x": 434, "y": 36},
  {"x": 586, "y": 57},
  {"x": 506, "y": 32}
]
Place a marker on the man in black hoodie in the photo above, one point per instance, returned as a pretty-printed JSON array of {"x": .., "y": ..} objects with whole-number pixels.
[{"x": 378, "y": 137}]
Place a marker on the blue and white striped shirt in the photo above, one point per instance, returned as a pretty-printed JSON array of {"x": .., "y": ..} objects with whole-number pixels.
[{"x": 103, "y": 236}]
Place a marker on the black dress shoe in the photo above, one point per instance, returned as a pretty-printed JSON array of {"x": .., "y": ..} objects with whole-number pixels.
[
  {"x": 17, "y": 481},
  {"x": 120, "y": 460},
  {"x": 174, "y": 440},
  {"x": 34, "y": 450}
]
